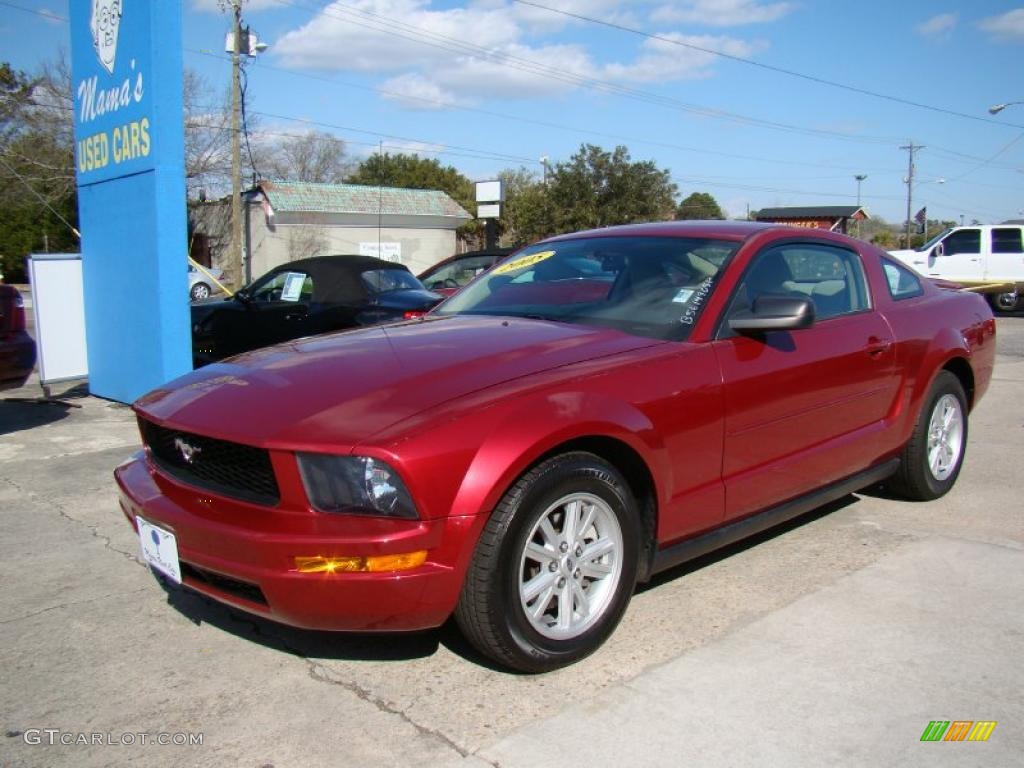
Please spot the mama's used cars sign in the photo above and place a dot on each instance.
(112, 102)
(126, 79)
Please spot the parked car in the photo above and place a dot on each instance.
(988, 258)
(17, 349)
(199, 284)
(454, 273)
(548, 437)
(304, 298)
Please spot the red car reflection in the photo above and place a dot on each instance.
(595, 409)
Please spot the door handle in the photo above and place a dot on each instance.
(295, 316)
(877, 347)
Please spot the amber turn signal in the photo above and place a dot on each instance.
(356, 564)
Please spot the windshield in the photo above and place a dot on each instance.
(927, 246)
(647, 286)
(385, 280)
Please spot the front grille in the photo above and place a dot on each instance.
(220, 466)
(226, 584)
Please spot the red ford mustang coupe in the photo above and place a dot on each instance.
(597, 408)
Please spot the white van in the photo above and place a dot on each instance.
(986, 257)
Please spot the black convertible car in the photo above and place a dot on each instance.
(306, 297)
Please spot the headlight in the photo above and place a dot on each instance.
(355, 485)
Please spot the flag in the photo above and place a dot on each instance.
(921, 217)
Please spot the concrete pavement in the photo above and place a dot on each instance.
(831, 642)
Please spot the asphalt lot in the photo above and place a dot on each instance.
(833, 641)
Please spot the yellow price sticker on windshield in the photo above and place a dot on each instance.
(523, 262)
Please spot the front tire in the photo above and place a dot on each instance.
(555, 566)
(932, 458)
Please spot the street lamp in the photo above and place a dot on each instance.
(995, 109)
(859, 177)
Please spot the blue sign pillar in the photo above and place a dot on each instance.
(126, 69)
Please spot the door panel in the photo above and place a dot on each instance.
(804, 407)
(962, 257)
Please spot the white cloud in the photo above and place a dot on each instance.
(1008, 26)
(938, 27)
(663, 60)
(414, 91)
(721, 13)
(340, 38)
(419, 50)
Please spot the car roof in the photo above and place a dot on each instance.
(725, 230)
(335, 261)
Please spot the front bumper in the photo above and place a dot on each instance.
(243, 555)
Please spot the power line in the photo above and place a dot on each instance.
(393, 27)
(48, 15)
(768, 67)
(527, 120)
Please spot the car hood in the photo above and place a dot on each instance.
(340, 389)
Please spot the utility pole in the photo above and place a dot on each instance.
(234, 270)
(911, 149)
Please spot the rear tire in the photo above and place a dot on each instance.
(1005, 302)
(932, 458)
(199, 291)
(555, 566)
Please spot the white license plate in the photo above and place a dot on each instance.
(159, 549)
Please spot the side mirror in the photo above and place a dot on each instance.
(938, 251)
(774, 313)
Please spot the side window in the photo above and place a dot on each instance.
(459, 273)
(962, 241)
(285, 286)
(831, 277)
(903, 284)
(1007, 240)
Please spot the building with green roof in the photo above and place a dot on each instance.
(288, 220)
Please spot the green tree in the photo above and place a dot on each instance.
(596, 188)
(699, 205)
(526, 213)
(37, 180)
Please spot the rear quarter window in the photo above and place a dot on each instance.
(902, 283)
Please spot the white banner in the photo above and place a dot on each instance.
(386, 251)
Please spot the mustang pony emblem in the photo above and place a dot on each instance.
(186, 449)
(105, 24)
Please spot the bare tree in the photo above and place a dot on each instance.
(207, 137)
(312, 157)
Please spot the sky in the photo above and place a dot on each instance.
(757, 102)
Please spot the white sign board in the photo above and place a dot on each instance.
(489, 211)
(58, 307)
(293, 282)
(386, 251)
(490, 191)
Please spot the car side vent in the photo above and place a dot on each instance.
(219, 466)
